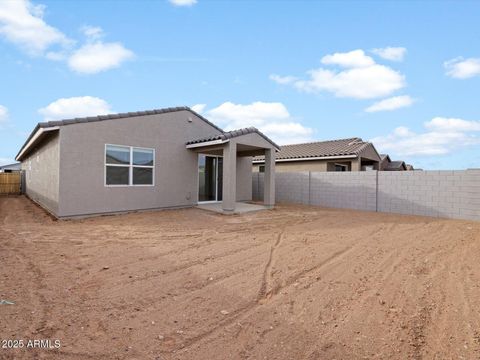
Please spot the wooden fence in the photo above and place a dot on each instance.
(10, 183)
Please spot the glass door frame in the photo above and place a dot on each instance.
(216, 179)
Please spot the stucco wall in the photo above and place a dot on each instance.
(42, 173)
(82, 170)
(296, 166)
(244, 178)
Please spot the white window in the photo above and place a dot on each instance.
(129, 166)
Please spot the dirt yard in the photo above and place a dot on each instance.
(292, 283)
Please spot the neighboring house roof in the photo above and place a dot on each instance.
(350, 147)
(385, 157)
(226, 135)
(55, 124)
(395, 166)
(14, 166)
(409, 167)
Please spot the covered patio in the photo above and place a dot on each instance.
(230, 146)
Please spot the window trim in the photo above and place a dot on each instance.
(130, 167)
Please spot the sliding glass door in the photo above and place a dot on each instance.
(210, 173)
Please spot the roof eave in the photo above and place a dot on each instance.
(36, 135)
(206, 143)
(351, 156)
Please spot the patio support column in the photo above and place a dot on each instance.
(229, 176)
(269, 178)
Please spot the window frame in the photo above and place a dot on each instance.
(130, 167)
(343, 166)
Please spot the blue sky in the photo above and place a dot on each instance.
(405, 75)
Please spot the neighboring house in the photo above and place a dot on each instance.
(409, 167)
(164, 158)
(396, 166)
(384, 161)
(387, 164)
(351, 154)
(10, 168)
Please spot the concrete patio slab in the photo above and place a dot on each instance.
(240, 208)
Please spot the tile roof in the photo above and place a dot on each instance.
(233, 134)
(395, 165)
(124, 115)
(48, 124)
(350, 146)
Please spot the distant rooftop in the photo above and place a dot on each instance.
(340, 147)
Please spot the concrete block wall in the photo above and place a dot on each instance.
(291, 187)
(445, 194)
(351, 190)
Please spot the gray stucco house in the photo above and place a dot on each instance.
(154, 159)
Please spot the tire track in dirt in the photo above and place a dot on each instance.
(37, 297)
(189, 291)
(204, 261)
(265, 293)
(245, 311)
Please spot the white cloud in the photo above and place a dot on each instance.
(391, 53)
(92, 32)
(93, 58)
(199, 108)
(282, 79)
(355, 58)
(358, 83)
(22, 24)
(460, 68)
(271, 118)
(362, 78)
(183, 2)
(390, 104)
(3, 114)
(67, 108)
(442, 137)
(452, 124)
(56, 55)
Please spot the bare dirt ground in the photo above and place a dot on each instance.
(296, 282)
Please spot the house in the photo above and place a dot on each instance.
(154, 159)
(396, 166)
(386, 164)
(384, 161)
(351, 154)
(10, 168)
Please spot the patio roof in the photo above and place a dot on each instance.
(227, 135)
